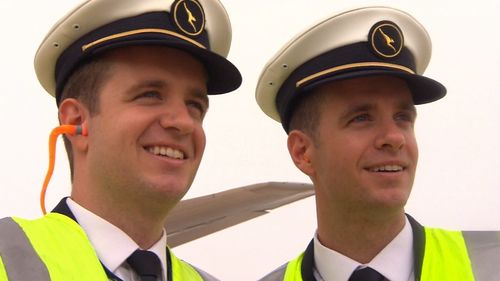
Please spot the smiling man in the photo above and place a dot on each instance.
(345, 91)
(134, 78)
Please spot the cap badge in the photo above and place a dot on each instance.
(386, 39)
(189, 16)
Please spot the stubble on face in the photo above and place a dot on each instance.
(366, 153)
(163, 113)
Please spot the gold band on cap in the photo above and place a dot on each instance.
(352, 65)
(139, 31)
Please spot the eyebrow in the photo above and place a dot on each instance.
(203, 96)
(408, 107)
(363, 107)
(147, 84)
(356, 108)
(159, 84)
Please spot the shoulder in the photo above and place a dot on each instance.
(182, 270)
(277, 275)
(45, 226)
(205, 275)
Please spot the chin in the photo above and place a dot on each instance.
(396, 202)
(168, 189)
(172, 190)
(394, 198)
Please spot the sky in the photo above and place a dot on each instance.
(457, 183)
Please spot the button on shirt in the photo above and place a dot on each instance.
(112, 245)
(395, 261)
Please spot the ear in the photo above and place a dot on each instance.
(73, 112)
(300, 147)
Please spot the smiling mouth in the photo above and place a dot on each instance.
(387, 169)
(166, 151)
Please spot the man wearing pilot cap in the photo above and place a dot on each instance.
(345, 92)
(131, 80)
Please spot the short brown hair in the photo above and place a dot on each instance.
(306, 113)
(84, 85)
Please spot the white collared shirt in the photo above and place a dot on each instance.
(112, 245)
(395, 261)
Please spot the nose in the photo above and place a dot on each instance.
(176, 117)
(391, 137)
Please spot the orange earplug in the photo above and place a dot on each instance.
(63, 129)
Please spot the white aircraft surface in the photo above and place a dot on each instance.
(194, 218)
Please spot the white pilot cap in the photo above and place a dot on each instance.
(361, 42)
(200, 27)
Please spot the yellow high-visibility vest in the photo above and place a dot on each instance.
(446, 257)
(55, 248)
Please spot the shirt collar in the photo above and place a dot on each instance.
(332, 265)
(112, 245)
(395, 261)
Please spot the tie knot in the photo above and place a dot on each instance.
(145, 264)
(366, 274)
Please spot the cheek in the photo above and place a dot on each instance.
(412, 147)
(348, 150)
(200, 138)
(117, 130)
(416, 153)
(333, 158)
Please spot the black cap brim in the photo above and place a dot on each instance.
(423, 89)
(223, 76)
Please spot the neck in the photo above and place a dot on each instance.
(359, 235)
(141, 219)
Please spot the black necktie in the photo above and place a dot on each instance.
(146, 264)
(366, 274)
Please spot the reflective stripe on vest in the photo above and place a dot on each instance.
(59, 245)
(63, 248)
(20, 261)
(484, 249)
(448, 255)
